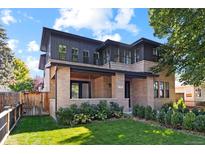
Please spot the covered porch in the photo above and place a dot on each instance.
(76, 85)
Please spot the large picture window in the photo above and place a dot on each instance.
(85, 57)
(80, 89)
(167, 89)
(74, 55)
(156, 89)
(62, 52)
(161, 91)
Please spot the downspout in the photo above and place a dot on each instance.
(56, 84)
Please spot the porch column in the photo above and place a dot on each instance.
(118, 90)
(150, 91)
(63, 86)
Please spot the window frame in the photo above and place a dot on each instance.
(62, 53)
(84, 60)
(79, 82)
(128, 56)
(167, 94)
(72, 55)
(161, 89)
(156, 89)
(155, 52)
(96, 60)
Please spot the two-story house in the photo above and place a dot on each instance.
(79, 69)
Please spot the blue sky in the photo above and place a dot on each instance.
(24, 27)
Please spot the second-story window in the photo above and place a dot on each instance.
(85, 56)
(128, 57)
(136, 55)
(155, 52)
(74, 55)
(96, 58)
(62, 52)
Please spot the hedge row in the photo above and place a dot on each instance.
(87, 112)
(174, 115)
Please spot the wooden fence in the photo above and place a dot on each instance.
(35, 103)
(8, 99)
(8, 120)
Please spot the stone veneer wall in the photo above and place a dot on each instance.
(63, 86)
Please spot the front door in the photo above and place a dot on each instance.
(127, 91)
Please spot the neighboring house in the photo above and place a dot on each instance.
(192, 95)
(79, 69)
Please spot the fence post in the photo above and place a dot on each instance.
(15, 115)
(8, 121)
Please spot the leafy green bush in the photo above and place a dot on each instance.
(161, 116)
(135, 109)
(103, 107)
(195, 111)
(74, 108)
(179, 106)
(101, 116)
(199, 123)
(177, 119)
(167, 118)
(167, 106)
(154, 114)
(65, 116)
(148, 112)
(116, 110)
(188, 121)
(81, 119)
(88, 109)
(141, 112)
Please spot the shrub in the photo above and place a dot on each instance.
(166, 107)
(167, 118)
(188, 121)
(88, 109)
(199, 123)
(65, 116)
(74, 108)
(196, 111)
(148, 113)
(177, 119)
(161, 116)
(103, 107)
(179, 106)
(135, 109)
(141, 112)
(81, 119)
(154, 114)
(101, 116)
(116, 110)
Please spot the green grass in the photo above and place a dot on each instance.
(43, 130)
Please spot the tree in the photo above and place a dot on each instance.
(6, 60)
(184, 52)
(22, 80)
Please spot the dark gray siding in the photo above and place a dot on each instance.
(81, 45)
(148, 52)
(139, 49)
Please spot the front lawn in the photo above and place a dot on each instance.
(43, 130)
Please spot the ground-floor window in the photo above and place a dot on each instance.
(161, 91)
(156, 89)
(167, 89)
(80, 89)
